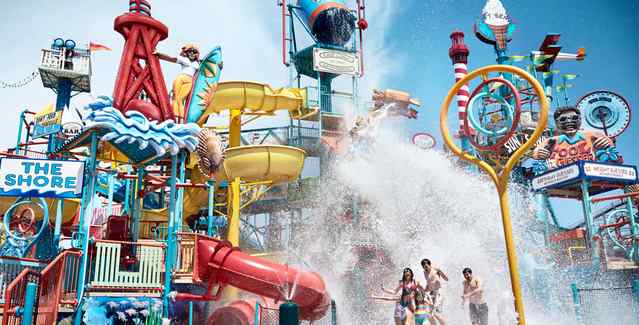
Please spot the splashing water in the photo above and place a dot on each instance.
(415, 204)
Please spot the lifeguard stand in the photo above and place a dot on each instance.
(65, 69)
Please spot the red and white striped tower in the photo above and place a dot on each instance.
(458, 53)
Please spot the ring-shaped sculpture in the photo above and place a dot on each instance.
(500, 179)
(23, 201)
(506, 133)
(477, 125)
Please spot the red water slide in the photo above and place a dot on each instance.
(218, 263)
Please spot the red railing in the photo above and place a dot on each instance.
(58, 286)
(10, 267)
(15, 297)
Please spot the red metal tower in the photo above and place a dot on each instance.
(139, 68)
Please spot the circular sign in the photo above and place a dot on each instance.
(72, 129)
(605, 111)
(424, 141)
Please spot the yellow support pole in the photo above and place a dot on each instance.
(235, 128)
(233, 204)
(234, 194)
(500, 180)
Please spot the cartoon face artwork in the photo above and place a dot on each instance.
(573, 144)
(568, 121)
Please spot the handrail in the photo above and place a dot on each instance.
(15, 294)
(130, 243)
(57, 281)
(614, 197)
(10, 267)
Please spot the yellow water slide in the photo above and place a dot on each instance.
(256, 98)
(275, 164)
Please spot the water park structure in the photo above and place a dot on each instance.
(140, 212)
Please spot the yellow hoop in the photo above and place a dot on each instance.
(501, 179)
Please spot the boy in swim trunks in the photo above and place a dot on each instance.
(433, 277)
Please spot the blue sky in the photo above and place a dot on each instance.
(419, 35)
(406, 46)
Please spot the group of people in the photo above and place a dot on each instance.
(415, 303)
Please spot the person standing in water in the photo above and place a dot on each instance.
(405, 306)
(423, 307)
(474, 293)
(189, 59)
(433, 277)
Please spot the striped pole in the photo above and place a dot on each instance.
(458, 53)
(462, 95)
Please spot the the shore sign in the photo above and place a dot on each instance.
(41, 178)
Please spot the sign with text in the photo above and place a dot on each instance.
(556, 177)
(72, 129)
(334, 61)
(41, 178)
(46, 124)
(612, 172)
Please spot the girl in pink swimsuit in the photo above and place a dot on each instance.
(405, 306)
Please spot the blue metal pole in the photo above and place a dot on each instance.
(590, 227)
(64, 94)
(86, 213)
(29, 303)
(542, 214)
(170, 240)
(180, 193)
(576, 301)
(634, 251)
(190, 313)
(62, 100)
(58, 224)
(20, 123)
(110, 194)
(333, 312)
(211, 210)
(257, 313)
(635, 288)
(137, 205)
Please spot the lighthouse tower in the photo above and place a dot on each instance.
(139, 68)
(458, 53)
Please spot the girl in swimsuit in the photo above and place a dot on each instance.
(405, 306)
(423, 308)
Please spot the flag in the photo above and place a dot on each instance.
(539, 59)
(93, 47)
(564, 87)
(517, 58)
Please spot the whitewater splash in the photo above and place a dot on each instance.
(133, 127)
(416, 204)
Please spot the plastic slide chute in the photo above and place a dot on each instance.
(218, 263)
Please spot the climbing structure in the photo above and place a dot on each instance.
(139, 71)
